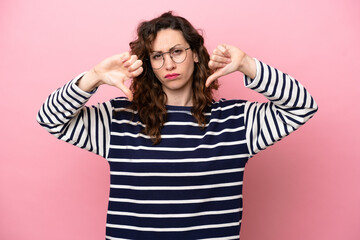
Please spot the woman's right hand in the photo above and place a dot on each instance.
(113, 71)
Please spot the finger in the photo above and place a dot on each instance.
(123, 57)
(129, 62)
(216, 65)
(218, 52)
(137, 64)
(213, 77)
(222, 59)
(125, 90)
(224, 50)
(137, 72)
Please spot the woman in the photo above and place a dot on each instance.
(176, 156)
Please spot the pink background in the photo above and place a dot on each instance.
(304, 187)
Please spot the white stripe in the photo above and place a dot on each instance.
(186, 112)
(180, 215)
(172, 136)
(151, 229)
(179, 174)
(171, 188)
(169, 111)
(121, 109)
(128, 122)
(235, 237)
(182, 201)
(213, 120)
(187, 160)
(171, 149)
(115, 238)
(227, 107)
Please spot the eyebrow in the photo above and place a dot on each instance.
(179, 44)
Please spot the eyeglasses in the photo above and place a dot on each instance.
(177, 54)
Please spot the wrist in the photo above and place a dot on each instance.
(89, 81)
(248, 67)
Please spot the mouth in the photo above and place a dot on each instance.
(171, 76)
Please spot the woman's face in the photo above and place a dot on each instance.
(174, 77)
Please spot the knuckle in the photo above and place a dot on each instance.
(134, 57)
(138, 62)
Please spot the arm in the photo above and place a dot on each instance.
(64, 115)
(290, 105)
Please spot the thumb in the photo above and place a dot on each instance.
(125, 90)
(213, 77)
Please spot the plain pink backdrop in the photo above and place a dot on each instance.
(304, 187)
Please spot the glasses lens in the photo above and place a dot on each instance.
(157, 60)
(178, 54)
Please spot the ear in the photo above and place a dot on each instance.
(195, 57)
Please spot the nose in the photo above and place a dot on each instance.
(168, 62)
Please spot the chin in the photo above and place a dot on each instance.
(175, 85)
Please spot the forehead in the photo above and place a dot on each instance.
(168, 38)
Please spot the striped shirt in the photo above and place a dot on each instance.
(189, 186)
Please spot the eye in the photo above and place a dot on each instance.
(156, 56)
(177, 51)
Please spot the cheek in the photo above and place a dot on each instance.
(190, 68)
(157, 73)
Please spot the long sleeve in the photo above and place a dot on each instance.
(290, 106)
(64, 115)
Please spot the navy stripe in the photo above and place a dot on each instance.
(261, 77)
(77, 93)
(89, 127)
(45, 113)
(275, 121)
(56, 109)
(70, 96)
(284, 121)
(268, 83)
(103, 133)
(96, 129)
(57, 97)
(305, 98)
(275, 85)
(290, 96)
(297, 94)
(282, 89)
(75, 128)
(63, 98)
(268, 127)
(86, 141)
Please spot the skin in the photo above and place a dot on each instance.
(117, 69)
(178, 90)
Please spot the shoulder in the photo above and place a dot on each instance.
(120, 103)
(226, 108)
(224, 104)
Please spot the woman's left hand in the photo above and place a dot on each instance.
(227, 59)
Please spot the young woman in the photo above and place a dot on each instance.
(176, 156)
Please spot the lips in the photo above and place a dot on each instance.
(171, 76)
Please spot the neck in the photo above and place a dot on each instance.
(179, 98)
